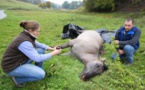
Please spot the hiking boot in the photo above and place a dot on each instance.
(17, 84)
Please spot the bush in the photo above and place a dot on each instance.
(100, 5)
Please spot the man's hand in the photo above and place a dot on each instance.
(116, 42)
(121, 52)
(116, 45)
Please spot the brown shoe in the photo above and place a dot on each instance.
(17, 84)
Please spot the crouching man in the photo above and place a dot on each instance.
(127, 40)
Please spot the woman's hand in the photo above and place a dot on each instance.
(51, 48)
(55, 51)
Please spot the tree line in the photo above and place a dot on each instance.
(65, 5)
(93, 5)
(72, 5)
(48, 4)
(112, 5)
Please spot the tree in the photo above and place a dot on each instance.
(48, 4)
(55, 6)
(99, 5)
(89, 5)
(72, 5)
(80, 3)
(112, 5)
(65, 5)
(42, 5)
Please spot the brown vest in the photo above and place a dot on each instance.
(13, 57)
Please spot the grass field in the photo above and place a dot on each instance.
(62, 72)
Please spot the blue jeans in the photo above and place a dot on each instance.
(29, 72)
(128, 53)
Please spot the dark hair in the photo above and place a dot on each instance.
(130, 19)
(31, 24)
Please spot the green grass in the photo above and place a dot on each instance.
(62, 72)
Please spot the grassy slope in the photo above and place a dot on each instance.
(62, 72)
(14, 4)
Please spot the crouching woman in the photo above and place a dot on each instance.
(22, 51)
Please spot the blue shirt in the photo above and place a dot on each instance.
(27, 48)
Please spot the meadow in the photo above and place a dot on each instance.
(62, 72)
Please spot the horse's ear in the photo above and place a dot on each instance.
(105, 67)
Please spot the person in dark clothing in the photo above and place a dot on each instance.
(22, 51)
(127, 38)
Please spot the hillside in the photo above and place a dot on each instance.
(17, 5)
